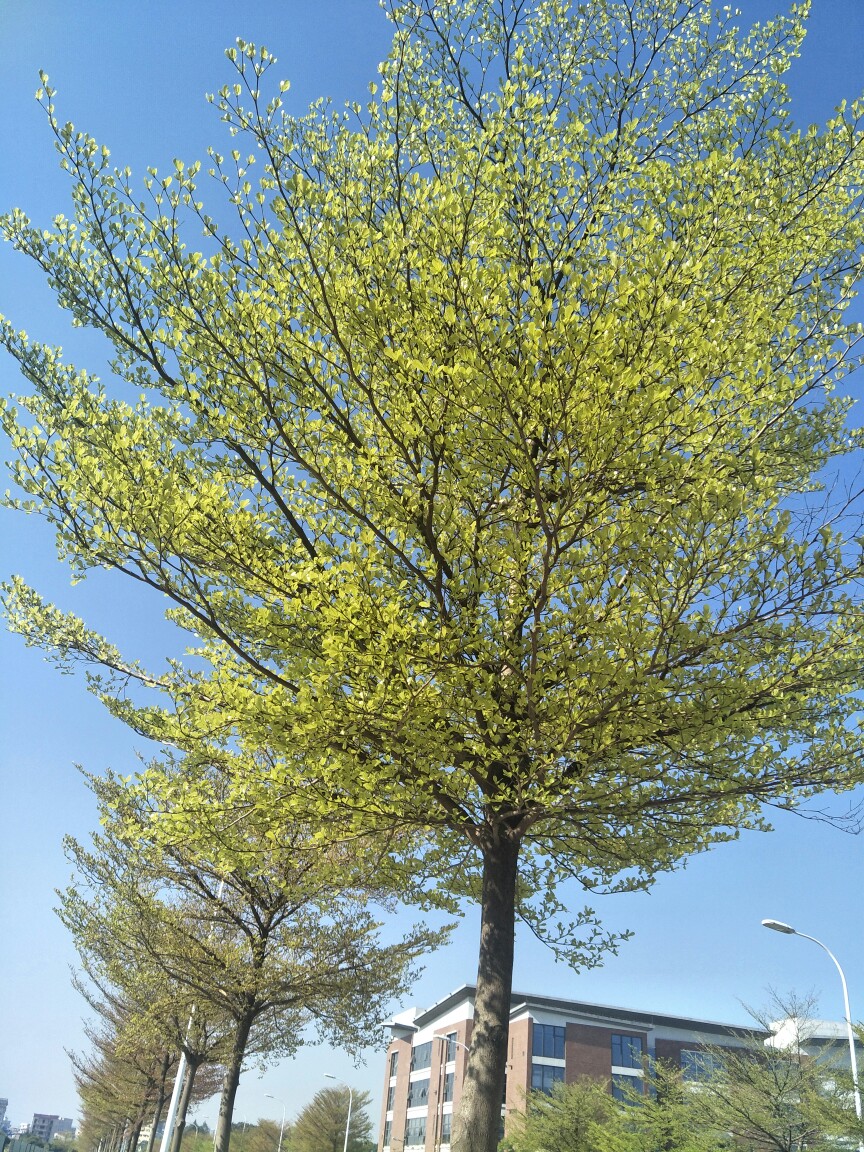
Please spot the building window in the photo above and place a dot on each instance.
(418, 1093)
(421, 1056)
(626, 1051)
(448, 1087)
(626, 1088)
(394, 1062)
(697, 1065)
(391, 1096)
(415, 1131)
(451, 1047)
(548, 1040)
(446, 1127)
(543, 1076)
(388, 1132)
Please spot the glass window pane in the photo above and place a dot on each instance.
(626, 1051)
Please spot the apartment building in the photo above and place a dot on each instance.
(550, 1039)
(42, 1126)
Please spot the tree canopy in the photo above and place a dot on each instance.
(321, 1125)
(479, 456)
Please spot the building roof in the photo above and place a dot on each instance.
(598, 1013)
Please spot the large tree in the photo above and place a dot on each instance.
(479, 456)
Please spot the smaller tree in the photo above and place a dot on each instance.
(778, 1096)
(320, 1126)
(260, 1137)
(570, 1118)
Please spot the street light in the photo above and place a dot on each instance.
(779, 926)
(350, 1102)
(282, 1125)
(446, 1038)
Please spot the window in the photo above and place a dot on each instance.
(418, 1093)
(448, 1087)
(446, 1127)
(391, 1095)
(450, 1046)
(543, 1076)
(626, 1088)
(421, 1056)
(548, 1040)
(697, 1065)
(388, 1132)
(626, 1051)
(415, 1131)
(394, 1062)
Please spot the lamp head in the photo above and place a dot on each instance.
(779, 926)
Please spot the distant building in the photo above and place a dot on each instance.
(4, 1104)
(45, 1127)
(550, 1039)
(42, 1126)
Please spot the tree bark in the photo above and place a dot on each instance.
(135, 1134)
(193, 1063)
(477, 1122)
(229, 1083)
(162, 1096)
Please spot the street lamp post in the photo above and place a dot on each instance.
(787, 929)
(282, 1125)
(447, 1039)
(350, 1102)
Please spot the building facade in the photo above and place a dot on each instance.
(549, 1040)
(42, 1127)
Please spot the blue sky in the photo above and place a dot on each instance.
(134, 75)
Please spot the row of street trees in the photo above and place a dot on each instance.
(476, 444)
(181, 953)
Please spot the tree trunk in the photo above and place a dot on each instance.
(477, 1123)
(162, 1096)
(193, 1063)
(229, 1084)
(135, 1134)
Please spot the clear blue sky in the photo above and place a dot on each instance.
(134, 75)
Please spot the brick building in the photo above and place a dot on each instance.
(550, 1039)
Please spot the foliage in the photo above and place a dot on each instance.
(480, 463)
(781, 1097)
(570, 1118)
(257, 954)
(123, 1082)
(262, 1136)
(320, 1126)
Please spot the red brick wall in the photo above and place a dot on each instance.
(669, 1051)
(588, 1051)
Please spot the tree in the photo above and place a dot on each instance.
(779, 1094)
(320, 1126)
(482, 461)
(571, 1118)
(130, 1063)
(282, 941)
